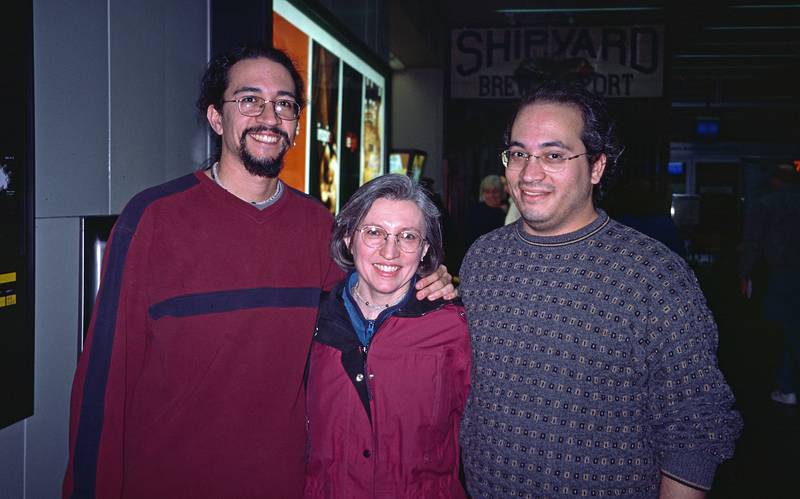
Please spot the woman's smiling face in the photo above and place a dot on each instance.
(385, 272)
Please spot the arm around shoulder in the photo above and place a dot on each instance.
(438, 284)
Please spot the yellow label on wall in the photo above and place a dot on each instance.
(9, 277)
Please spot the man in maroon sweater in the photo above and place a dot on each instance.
(191, 380)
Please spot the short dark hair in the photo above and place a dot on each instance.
(599, 128)
(216, 78)
(397, 188)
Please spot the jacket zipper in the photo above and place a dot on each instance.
(364, 349)
(373, 421)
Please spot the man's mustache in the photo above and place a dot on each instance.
(265, 128)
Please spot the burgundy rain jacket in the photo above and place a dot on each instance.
(383, 422)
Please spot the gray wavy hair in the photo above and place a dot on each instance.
(490, 182)
(397, 188)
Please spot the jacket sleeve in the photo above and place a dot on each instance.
(464, 361)
(690, 404)
(105, 372)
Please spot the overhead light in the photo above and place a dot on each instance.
(769, 6)
(560, 10)
(744, 43)
(716, 68)
(734, 56)
(759, 104)
(744, 28)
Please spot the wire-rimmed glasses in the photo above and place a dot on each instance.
(409, 241)
(551, 161)
(253, 105)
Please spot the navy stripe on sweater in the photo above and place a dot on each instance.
(90, 423)
(237, 299)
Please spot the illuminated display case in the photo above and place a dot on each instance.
(342, 138)
(409, 162)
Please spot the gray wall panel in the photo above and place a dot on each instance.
(155, 135)
(57, 326)
(12, 460)
(187, 55)
(71, 92)
(138, 113)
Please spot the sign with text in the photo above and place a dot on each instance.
(504, 63)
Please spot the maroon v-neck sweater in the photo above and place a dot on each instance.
(191, 382)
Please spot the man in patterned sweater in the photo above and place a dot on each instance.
(595, 368)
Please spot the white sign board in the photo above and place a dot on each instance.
(613, 61)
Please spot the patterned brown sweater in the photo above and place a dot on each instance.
(594, 367)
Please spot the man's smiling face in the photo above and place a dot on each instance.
(257, 142)
(553, 203)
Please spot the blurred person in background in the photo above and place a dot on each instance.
(771, 236)
(488, 213)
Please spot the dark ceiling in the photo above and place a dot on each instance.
(717, 55)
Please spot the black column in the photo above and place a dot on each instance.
(240, 21)
(16, 212)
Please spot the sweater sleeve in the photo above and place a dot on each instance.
(105, 373)
(690, 404)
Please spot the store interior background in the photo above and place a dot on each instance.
(115, 81)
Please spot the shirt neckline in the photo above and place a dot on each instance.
(243, 207)
(563, 239)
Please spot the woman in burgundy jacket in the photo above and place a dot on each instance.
(389, 374)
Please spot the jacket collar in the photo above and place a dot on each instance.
(332, 305)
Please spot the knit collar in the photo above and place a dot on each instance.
(563, 239)
(227, 199)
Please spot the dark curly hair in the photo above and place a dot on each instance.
(599, 134)
(216, 78)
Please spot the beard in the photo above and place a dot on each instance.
(263, 167)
